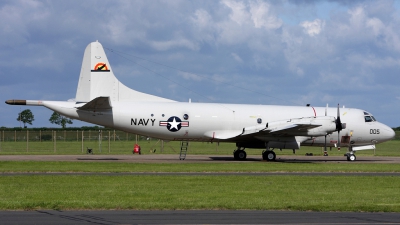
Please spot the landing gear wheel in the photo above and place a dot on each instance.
(351, 157)
(269, 156)
(240, 155)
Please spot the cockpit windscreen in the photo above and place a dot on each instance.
(368, 117)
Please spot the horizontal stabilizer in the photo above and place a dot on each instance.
(99, 103)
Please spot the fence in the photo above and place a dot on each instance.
(113, 142)
(68, 141)
(100, 141)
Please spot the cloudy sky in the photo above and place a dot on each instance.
(229, 51)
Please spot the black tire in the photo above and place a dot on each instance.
(352, 158)
(240, 155)
(269, 155)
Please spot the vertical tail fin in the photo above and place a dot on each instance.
(97, 80)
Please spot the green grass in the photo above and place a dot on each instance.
(151, 192)
(33, 166)
(146, 192)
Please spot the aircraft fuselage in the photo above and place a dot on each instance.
(214, 122)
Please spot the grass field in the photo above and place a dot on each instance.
(120, 167)
(150, 192)
(144, 192)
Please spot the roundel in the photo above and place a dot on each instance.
(174, 124)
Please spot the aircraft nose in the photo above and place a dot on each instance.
(391, 134)
(388, 133)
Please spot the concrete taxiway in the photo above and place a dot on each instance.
(174, 158)
(195, 217)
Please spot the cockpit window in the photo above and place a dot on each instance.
(368, 117)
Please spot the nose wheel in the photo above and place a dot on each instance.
(351, 157)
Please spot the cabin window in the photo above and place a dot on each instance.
(259, 120)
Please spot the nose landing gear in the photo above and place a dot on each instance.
(351, 157)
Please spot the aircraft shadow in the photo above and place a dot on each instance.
(281, 160)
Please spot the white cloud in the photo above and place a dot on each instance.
(18, 17)
(262, 17)
(190, 76)
(202, 18)
(313, 28)
(239, 12)
(174, 43)
(290, 50)
(237, 58)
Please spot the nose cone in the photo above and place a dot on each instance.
(387, 133)
(391, 134)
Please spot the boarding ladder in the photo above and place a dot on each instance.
(184, 149)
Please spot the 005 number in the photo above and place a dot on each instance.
(374, 131)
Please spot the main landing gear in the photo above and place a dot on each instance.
(239, 154)
(269, 155)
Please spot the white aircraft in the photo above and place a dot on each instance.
(102, 99)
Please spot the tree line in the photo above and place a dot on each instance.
(27, 117)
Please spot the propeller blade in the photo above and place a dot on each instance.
(339, 127)
(338, 122)
(326, 109)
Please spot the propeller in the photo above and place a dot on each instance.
(339, 126)
(326, 113)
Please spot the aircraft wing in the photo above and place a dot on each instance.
(281, 130)
(292, 129)
(308, 126)
(99, 103)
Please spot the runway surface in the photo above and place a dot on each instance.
(196, 216)
(174, 158)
